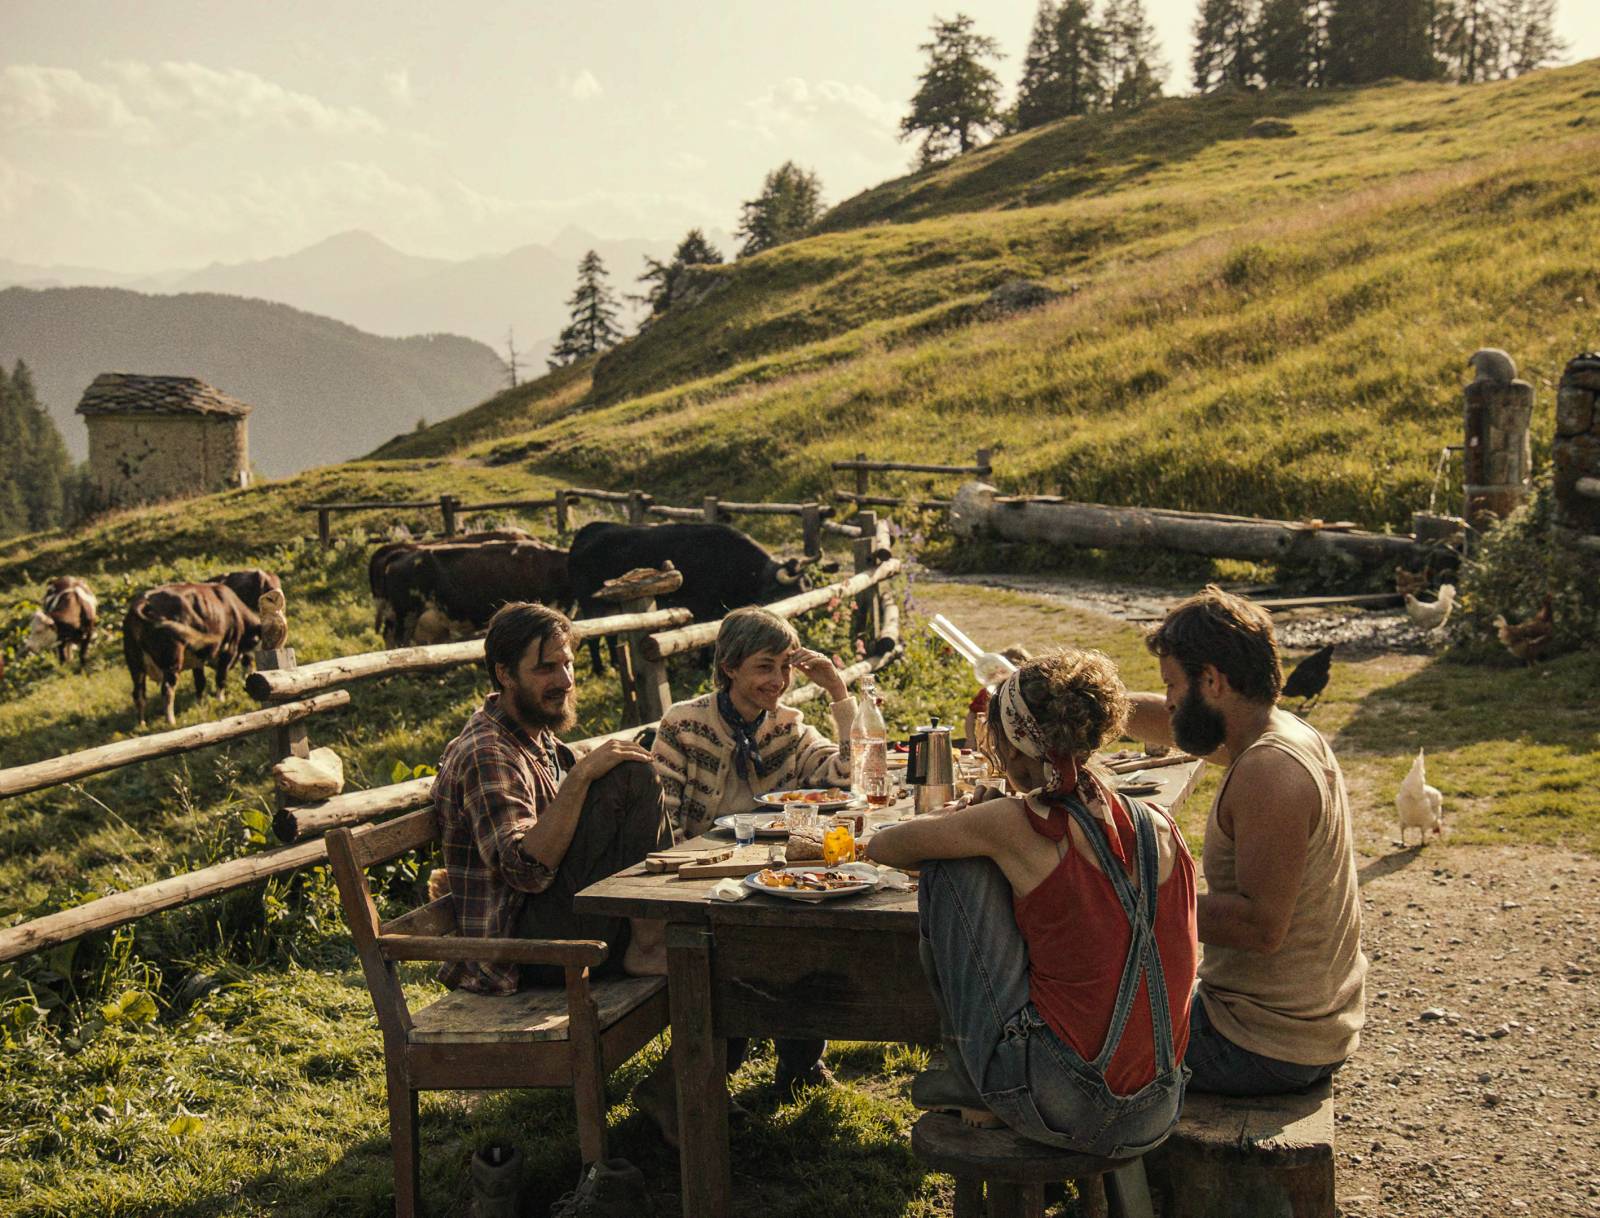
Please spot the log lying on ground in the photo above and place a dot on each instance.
(978, 510)
(703, 634)
(24, 778)
(315, 819)
(276, 685)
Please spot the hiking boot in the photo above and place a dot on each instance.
(611, 1188)
(496, 1182)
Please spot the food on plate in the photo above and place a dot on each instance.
(810, 881)
(805, 847)
(829, 796)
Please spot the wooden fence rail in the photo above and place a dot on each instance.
(982, 467)
(278, 685)
(19, 780)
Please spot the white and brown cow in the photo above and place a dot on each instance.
(66, 620)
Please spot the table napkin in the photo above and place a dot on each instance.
(730, 889)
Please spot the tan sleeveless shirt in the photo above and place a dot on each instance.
(1306, 1002)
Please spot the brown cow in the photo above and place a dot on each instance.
(394, 620)
(248, 585)
(67, 619)
(179, 626)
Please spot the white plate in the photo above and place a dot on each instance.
(768, 824)
(869, 881)
(771, 799)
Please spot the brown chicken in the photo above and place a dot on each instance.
(1527, 639)
(1410, 583)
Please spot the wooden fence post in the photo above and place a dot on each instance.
(561, 512)
(983, 461)
(811, 523)
(324, 526)
(867, 618)
(290, 741)
(645, 691)
(638, 506)
(861, 476)
(448, 506)
(709, 506)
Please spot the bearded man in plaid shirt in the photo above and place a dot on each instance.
(524, 825)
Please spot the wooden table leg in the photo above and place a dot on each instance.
(700, 1066)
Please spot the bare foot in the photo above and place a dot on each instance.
(646, 953)
(981, 1118)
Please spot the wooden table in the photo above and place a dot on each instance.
(769, 967)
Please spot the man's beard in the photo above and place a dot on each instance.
(1196, 727)
(538, 716)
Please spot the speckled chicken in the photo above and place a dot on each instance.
(1421, 807)
(1527, 639)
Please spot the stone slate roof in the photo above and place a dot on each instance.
(129, 393)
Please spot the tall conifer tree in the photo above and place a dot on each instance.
(957, 103)
(593, 327)
(1286, 45)
(1224, 44)
(1134, 70)
(789, 203)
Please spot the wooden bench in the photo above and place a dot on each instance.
(1009, 1172)
(552, 1037)
(1248, 1157)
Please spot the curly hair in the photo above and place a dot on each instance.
(1078, 699)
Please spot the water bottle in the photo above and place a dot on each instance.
(869, 745)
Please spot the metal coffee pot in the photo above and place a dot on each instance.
(931, 767)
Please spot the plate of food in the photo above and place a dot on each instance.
(814, 883)
(768, 824)
(824, 799)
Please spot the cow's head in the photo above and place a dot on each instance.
(41, 632)
(248, 585)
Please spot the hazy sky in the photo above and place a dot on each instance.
(158, 134)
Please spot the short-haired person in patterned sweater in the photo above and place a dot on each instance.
(716, 753)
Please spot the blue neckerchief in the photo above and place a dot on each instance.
(744, 735)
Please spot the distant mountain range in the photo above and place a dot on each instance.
(323, 391)
(360, 279)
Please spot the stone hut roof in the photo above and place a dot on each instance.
(128, 393)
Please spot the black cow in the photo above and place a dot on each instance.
(386, 620)
(465, 584)
(723, 569)
(179, 626)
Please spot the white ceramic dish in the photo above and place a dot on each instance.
(868, 883)
(773, 799)
(768, 824)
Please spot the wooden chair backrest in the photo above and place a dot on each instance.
(350, 853)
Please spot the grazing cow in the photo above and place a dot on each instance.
(385, 618)
(449, 589)
(67, 619)
(248, 585)
(723, 569)
(179, 626)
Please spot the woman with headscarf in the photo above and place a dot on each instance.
(1057, 928)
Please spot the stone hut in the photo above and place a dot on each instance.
(163, 437)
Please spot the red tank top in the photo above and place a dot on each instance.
(1078, 938)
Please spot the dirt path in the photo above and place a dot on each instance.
(1474, 1092)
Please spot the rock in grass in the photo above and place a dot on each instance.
(1015, 296)
(1270, 129)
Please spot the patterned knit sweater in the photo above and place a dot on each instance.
(694, 758)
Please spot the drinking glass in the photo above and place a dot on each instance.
(744, 828)
(800, 818)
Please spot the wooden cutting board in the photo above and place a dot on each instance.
(675, 860)
(739, 861)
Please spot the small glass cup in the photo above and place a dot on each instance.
(800, 817)
(744, 828)
(777, 854)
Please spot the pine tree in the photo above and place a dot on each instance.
(1286, 44)
(1081, 51)
(1370, 40)
(664, 277)
(34, 467)
(1068, 68)
(957, 103)
(1038, 99)
(789, 203)
(593, 328)
(1224, 44)
(1529, 29)
(1133, 64)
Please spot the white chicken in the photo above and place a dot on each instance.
(1421, 806)
(1431, 616)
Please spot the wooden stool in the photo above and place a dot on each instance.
(1013, 1172)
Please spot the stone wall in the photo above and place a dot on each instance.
(136, 459)
(1575, 455)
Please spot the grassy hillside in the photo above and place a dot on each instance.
(1306, 303)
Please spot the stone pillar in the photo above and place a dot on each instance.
(1497, 460)
(1576, 455)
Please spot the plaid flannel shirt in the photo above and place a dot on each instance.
(494, 780)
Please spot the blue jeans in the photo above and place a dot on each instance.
(1224, 1068)
(1028, 1076)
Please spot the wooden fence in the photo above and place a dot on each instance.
(981, 467)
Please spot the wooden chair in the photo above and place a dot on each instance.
(550, 1037)
(1013, 1171)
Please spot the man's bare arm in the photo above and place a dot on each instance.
(1272, 803)
(1149, 722)
(550, 836)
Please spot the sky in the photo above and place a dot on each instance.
(162, 134)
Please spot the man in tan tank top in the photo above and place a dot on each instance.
(1282, 993)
